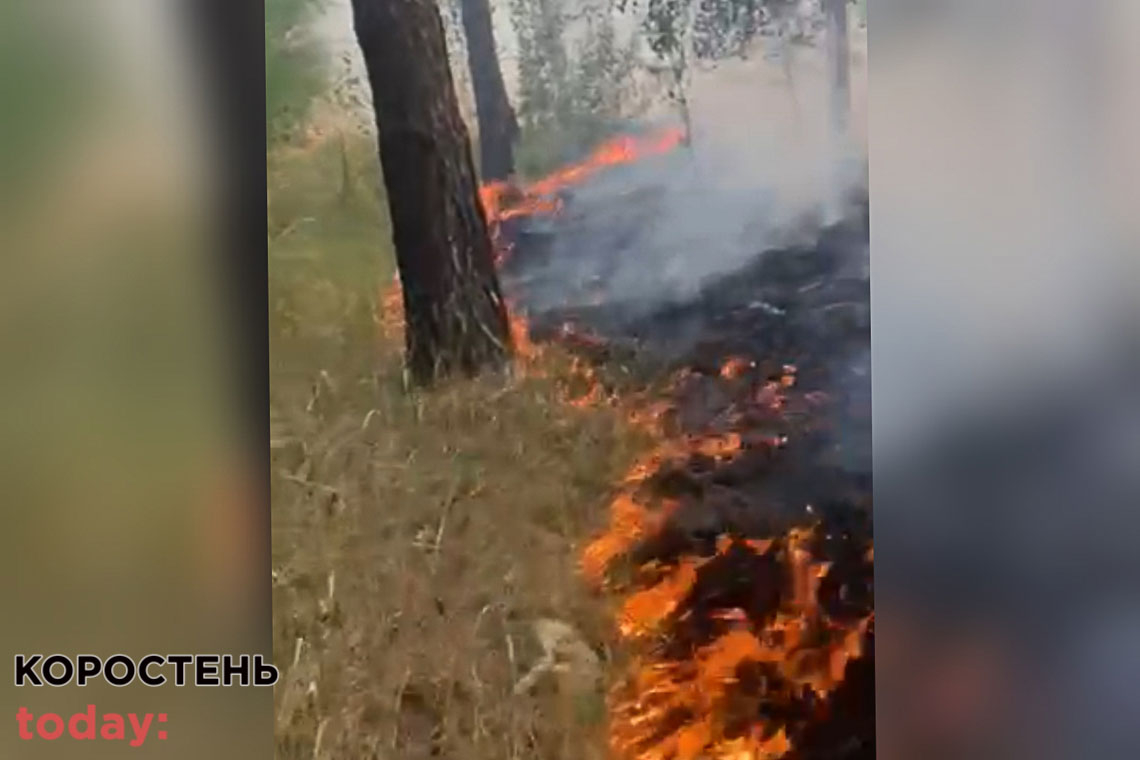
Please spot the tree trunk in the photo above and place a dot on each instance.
(839, 70)
(454, 315)
(498, 128)
(839, 65)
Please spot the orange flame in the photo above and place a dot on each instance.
(800, 643)
(504, 200)
(680, 709)
(390, 317)
(645, 610)
(735, 367)
(672, 707)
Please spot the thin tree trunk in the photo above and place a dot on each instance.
(498, 128)
(839, 64)
(839, 69)
(787, 50)
(454, 315)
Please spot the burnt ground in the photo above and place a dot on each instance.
(805, 306)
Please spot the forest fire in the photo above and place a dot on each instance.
(741, 554)
(504, 200)
(740, 551)
(736, 650)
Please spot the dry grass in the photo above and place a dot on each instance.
(419, 538)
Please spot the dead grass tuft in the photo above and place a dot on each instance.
(425, 549)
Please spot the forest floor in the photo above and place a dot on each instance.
(424, 544)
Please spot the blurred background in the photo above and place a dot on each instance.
(136, 518)
(1004, 246)
(1003, 172)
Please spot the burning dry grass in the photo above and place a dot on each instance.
(430, 550)
(426, 595)
(728, 675)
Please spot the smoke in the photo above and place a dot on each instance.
(764, 170)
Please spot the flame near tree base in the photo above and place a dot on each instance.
(749, 626)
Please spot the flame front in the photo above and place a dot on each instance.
(726, 697)
(504, 200)
(760, 671)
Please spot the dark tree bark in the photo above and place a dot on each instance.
(455, 320)
(498, 127)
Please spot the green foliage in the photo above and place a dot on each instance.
(577, 78)
(575, 82)
(329, 250)
(295, 72)
(714, 29)
(724, 27)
